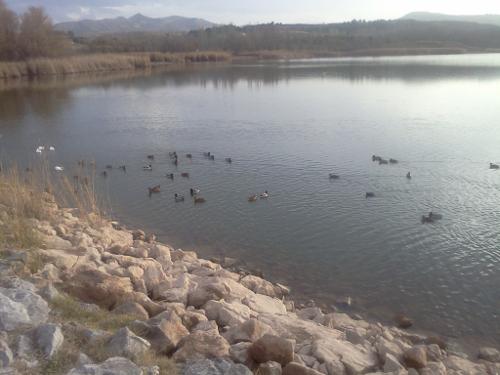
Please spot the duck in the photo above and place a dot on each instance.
(194, 192)
(212, 157)
(494, 166)
(333, 176)
(151, 157)
(431, 217)
(185, 174)
(376, 158)
(176, 161)
(172, 154)
(207, 154)
(408, 176)
(148, 167)
(58, 168)
(154, 189)
(264, 195)
(109, 166)
(39, 150)
(189, 156)
(52, 148)
(229, 160)
(198, 200)
(104, 174)
(393, 161)
(179, 197)
(81, 163)
(123, 168)
(170, 176)
(369, 195)
(383, 161)
(253, 198)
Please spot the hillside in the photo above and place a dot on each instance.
(487, 19)
(137, 23)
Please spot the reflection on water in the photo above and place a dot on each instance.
(287, 125)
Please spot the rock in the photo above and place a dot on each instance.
(463, 366)
(133, 309)
(355, 335)
(201, 344)
(264, 304)
(335, 367)
(226, 314)
(6, 356)
(434, 353)
(125, 343)
(83, 360)
(112, 366)
(272, 348)
(403, 321)
(294, 368)
(138, 235)
(269, 368)
(49, 339)
(393, 347)
(206, 326)
(239, 354)
(165, 334)
(259, 285)
(392, 364)
(441, 342)
(416, 357)
(433, 368)
(489, 354)
(250, 331)
(49, 292)
(214, 367)
(20, 307)
(191, 319)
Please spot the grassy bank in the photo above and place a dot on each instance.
(102, 63)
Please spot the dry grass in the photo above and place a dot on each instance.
(102, 63)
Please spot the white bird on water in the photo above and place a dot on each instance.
(52, 148)
(58, 168)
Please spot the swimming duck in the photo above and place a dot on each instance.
(212, 157)
(148, 167)
(109, 166)
(207, 154)
(189, 156)
(393, 161)
(172, 154)
(264, 195)
(229, 160)
(185, 175)
(383, 161)
(151, 157)
(494, 166)
(52, 148)
(154, 189)
(123, 168)
(253, 198)
(194, 192)
(431, 217)
(170, 176)
(408, 175)
(59, 168)
(39, 150)
(333, 176)
(370, 195)
(104, 174)
(178, 197)
(376, 158)
(198, 200)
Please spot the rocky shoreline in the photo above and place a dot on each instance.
(96, 298)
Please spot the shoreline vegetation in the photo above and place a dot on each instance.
(82, 294)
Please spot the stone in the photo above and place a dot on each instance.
(165, 334)
(225, 313)
(355, 335)
(83, 360)
(393, 347)
(269, 368)
(259, 285)
(191, 319)
(201, 344)
(214, 367)
(239, 354)
(49, 339)
(207, 326)
(6, 356)
(204, 293)
(49, 292)
(434, 353)
(132, 309)
(403, 321)
(250, 331)
(416, 357)
(272, 348)
(335, 367)
(125, 343)
(489, 354)
(138, 235)
(391, 364)
(264, 304)
(440, 341)
(294, 368)
(112, 366)
(20, 307)
(433, 368)
(463, 366)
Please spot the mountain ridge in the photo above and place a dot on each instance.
(486, 19)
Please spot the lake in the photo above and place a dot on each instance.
(286, 126)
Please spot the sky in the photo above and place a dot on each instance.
(256, 11)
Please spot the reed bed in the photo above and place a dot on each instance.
(102, 63)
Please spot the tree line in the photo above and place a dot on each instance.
(30, 35)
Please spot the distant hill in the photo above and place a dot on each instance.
(137, 23)
(487, 19)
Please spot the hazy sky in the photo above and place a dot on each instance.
(254, 11)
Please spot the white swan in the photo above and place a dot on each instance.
(58, 168)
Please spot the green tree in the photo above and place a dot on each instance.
(9, 25)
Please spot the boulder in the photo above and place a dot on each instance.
(416, 357)
(6, 356)
(207, 326)
(200, 345)
(125, 343)
(239, 354)
(259, 285)
(433, 368)
(49, 339)
(335, 367)
(394, 347)
(49, 292)
(21, 307)
(112, 366)
(214, 367)
(294, 368)
(191, 319)
(249, 331)
(264, 304)
(464, 366)
(272, 348)
(402, 321)
(391, 364)
(132, 309)
(165, 334)
(489, 354)
(434, 353)
(269, 368)
(225, 313)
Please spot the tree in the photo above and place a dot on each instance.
(9, 25)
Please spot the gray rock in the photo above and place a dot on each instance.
(165, 334)
(24, 347)
(49, 293)
(21, 307)
(294, 368)
(434, 368)
(83, 359)
(49, 339)
(6, 356)
(125, 343)
(214, 367)
(8, 371)
(272, 348)
(239, 354)
(416, 357)
(112, 366)
(392, 364)
(269, 368)
(489, 354)
(132, 308)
